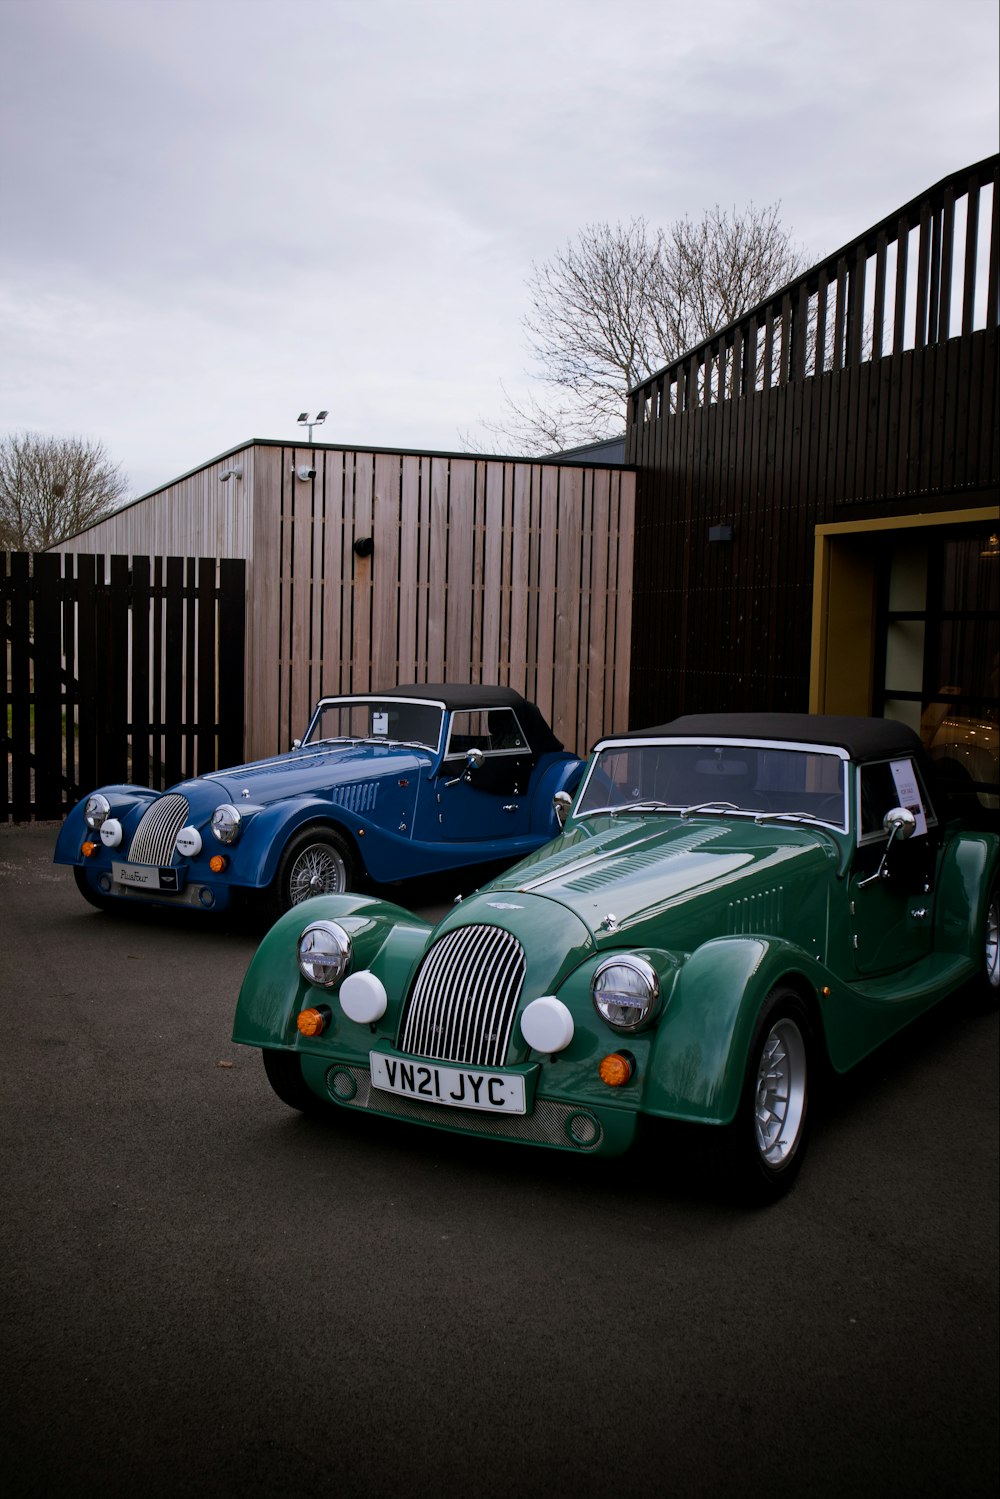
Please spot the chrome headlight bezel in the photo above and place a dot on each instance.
(96, 811)
(323, 952)
(638, 991)
(226, 823)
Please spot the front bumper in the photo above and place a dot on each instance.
(557, 1124)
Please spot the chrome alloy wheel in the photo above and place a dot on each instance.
(991, 953)
(318, 870)
(780, 1103)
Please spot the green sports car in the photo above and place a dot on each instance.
(733, 901)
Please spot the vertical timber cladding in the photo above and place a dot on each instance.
(866, 389)
(478, 570)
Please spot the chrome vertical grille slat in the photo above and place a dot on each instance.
(465, 998)
(156, 834)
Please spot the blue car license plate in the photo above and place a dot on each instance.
(458, 1087)
(146, 877)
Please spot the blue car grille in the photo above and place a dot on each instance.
(465, 997)
(157, 832)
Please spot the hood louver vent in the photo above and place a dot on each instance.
(360, 797)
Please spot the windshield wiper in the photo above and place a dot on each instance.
(712, 807)
(650, 806)
(796, 817)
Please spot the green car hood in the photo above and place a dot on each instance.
(658, 881)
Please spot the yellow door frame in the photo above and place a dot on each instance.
(842, 662)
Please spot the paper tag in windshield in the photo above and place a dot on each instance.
(380, 724)
(909, 792)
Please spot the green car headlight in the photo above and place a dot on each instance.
(226, 823)
(625, 991)
(324, 953)
(96, 812)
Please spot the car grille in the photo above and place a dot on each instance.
(157, 832)
(465, 996)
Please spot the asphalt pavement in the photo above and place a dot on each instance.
(203, 1294)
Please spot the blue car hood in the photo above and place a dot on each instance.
(303, 772)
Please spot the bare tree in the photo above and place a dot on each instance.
(52, 487)
(618, 303)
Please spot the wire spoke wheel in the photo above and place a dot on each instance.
(315, 861)
(318, 870)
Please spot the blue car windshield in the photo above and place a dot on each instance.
(374, 720)
(763, 781)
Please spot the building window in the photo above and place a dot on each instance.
(938, 653)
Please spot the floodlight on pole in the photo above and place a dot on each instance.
(307, 421)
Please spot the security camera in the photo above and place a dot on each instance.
(305, 473)
(230, 473)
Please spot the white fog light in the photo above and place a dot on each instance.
(189, 843)
(111, 832)
(547, 1025)
(363, 998)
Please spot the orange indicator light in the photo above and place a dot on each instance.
(217, 863)
(312, 1022)
(616, 1069)
(89, 849)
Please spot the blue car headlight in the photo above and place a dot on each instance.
(96, 812)
(625, 990)
(324, 953)
(226, 823)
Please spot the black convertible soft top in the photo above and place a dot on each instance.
(862, 738)
(474, 698)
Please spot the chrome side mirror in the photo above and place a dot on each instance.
(473, 761)
(899, 823)
(561, 804)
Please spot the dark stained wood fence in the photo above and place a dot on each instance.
(865, 388)
(134, 673)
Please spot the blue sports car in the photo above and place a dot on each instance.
(391, 785)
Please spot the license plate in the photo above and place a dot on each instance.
(145, 877)
(458, 1087)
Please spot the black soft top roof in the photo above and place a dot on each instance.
(471, 697)
(862, 738)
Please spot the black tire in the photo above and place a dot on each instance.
(762, 1151)
(284, 1073)
(86, 889)
(989, 981)
(315, 861)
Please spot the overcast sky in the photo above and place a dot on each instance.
(218, 213)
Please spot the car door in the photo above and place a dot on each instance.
(891, 913)
(492, 800)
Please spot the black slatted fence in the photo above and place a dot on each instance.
(128, 672)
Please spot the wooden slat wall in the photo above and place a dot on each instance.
(864, 389)
(482, 570)
(196, 516)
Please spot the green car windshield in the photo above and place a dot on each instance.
(755, 780)
(376, 719)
